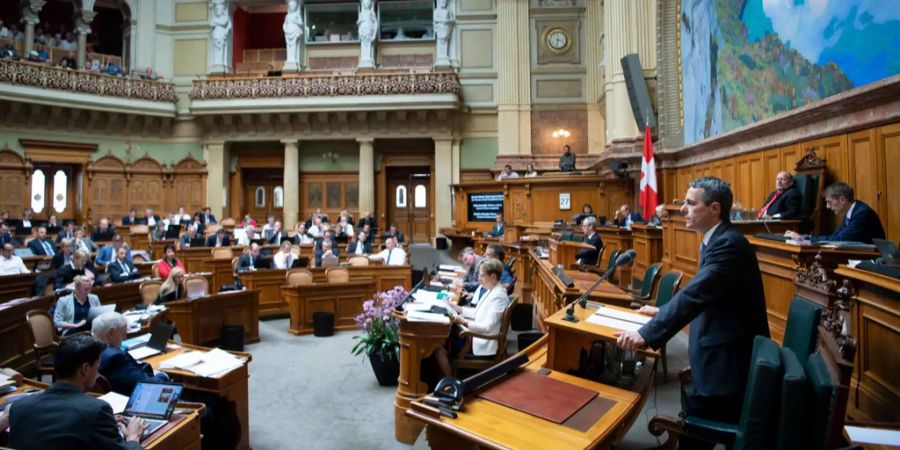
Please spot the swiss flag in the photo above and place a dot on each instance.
(648, 177)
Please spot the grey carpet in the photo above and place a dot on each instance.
(311, 393)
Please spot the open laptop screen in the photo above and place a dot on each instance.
(153, 400)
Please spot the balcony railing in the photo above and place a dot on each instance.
(327, 85)
(47, 77)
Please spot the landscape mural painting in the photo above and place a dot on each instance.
(746, 60)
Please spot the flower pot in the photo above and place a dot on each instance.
(386, 368)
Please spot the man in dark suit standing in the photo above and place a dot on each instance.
(42, 245)
(723, 303)
(499, 228)
(785, 202)
(220, 239)
(208, 218)
(861, 223)
(63, 416)
(588, 256)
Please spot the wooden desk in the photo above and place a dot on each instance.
(566, 339)
(565, 252)
(140, 241)
(32, 262)
(16, 351)
(17, 286)
(616, 239)
(232, 385)
(385, 277)
(222, 271)
(681, 246)
(875, 313)
(551, 295)
(418, 340)
(185, 434)
(485, 424)
(157, 248)
(193, 258)
(345, 300)
(459, 239)
(648, 243)
(268, 283)
(200, 321)
(124, 295)
(779, 262)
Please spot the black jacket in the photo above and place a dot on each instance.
(118, 274)
(789, 205)
(37, 247)
(246, 261)
(58, 260)
(276, 238)
(211, 241)
(862, 226)
(587, 256)
(63, 418)
(725, 306)
(351, 248)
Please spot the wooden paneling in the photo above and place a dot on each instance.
(14, 177)
(889, 149)
(200, 320)
(332, 192)
(344, 300)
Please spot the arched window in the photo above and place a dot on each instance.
(38, 181)
(400, 196)
(421, 196)
(260, 197)
(60, 182)
(278, 200)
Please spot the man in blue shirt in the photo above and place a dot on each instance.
(107, 253)
(496, 252)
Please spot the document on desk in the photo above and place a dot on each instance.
(875, 436)
(422, 316)
(623, 315)
(610, 322)
(205, 364)
(118, 402)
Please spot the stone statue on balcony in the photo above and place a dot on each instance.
(220, 23)
(293, 32)
(368, 31)
(443, 27)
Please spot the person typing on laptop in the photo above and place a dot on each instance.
(63, 416)
(121, 370)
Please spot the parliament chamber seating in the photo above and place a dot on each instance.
(298, 277)
(150, 291)
(358, 261)
(45, 340)
(648, 283)
(477, 362)
(665, 290)
(337, 275)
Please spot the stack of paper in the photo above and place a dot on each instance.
(206, 364)
(618, 319)
(422, 316)
(118, 402)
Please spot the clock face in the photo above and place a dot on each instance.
(558, 40)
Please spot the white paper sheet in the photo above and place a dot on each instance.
(421, 316)
(184, 361)
(623, 315)
(143, 352)
(425, 296)
(877, 436)
(217, 361)
(412, 306)
(613, 323)
(118, 402)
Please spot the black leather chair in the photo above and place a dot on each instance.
(823, 390)
(801, 331)
(792, 427)
(650, 276)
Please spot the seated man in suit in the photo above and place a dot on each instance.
(393, 232)
(496, 252)
(66, 232)
(10, 263)
(277, 234)
(471, 260)
(624, 217)
(208, 218)
(42, 245)
(103, 229)
(52, 222)
(860, 224)
(360, 246)
(325, 248)
(149, 218)
(269, 227)
(785, 202)
(186, 238)
(6, 236)
(109, 252)
(220, 239)
(589, 256)
(63, 256)
(499, 228)
(252, 261)
(392, 255)
(302, 237)
(131, 218)
(83, 243)
(723, 303)
(367, 219)
(121, 270)
(121, 370)
(63, 416)
(80, 265)
(25, 225)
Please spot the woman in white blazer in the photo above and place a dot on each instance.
(485, 318)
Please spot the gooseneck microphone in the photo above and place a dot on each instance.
(624, 258)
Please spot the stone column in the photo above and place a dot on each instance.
(366, 175)
(454, 158)
(217, 165)
(291, 183)
(630, 27)
(128, 40)
(30, 11)
(82, 29)
(442, 179)
(513, 78)
(596, 123)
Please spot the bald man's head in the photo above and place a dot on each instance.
(783, 180)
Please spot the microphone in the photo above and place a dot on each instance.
(624, 258)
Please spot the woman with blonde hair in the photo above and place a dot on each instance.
(172, 289)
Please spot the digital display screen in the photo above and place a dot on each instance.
(484, 206)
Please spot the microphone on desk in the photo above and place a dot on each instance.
(624, 258)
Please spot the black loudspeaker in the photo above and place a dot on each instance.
(637, 91)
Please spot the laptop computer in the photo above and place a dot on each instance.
(198, 242)
(97, 310)
(173, 231)
(154, 403)
(104, 236)
(23, 252)
(157, 343)
(300, 261)
(889, 253)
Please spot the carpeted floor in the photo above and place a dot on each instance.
(311, 393)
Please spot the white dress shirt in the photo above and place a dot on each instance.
(283, 260)
(395, 257)
(12, 266)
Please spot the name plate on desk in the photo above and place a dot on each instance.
(540, 396)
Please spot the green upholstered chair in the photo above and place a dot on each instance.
(650, 276)
(755, 427)
(665, 290)
(801, 331)
(611, 263)
(823, 389)
(793, 404)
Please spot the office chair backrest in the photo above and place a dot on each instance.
(612, 259)
(766, 373)
(196, 286)
(337, 275)
(649, 278)
(150, 291)
(43, 331)
(358, 261)
(221, 253)
(791, 432)
(801, 332)
(299, 277)
(155, 270)
(668, 286)
(823, 389)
